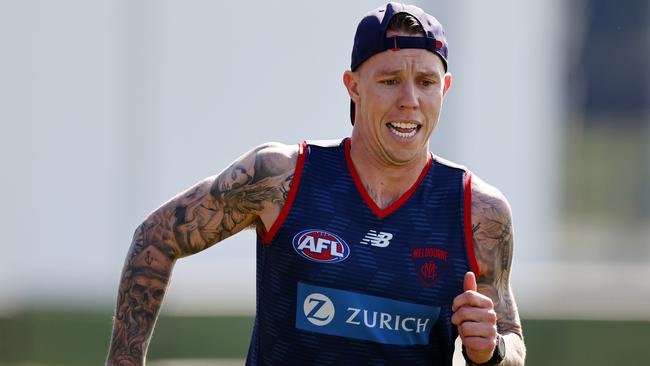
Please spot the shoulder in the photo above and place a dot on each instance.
(447, 163)
(267, 164)
(491, 228)
(273, 158)
(487, 201)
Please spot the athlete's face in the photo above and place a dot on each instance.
(398, 97)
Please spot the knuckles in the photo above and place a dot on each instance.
(480, 344)
(473, 299)
(474, 329)
(491, 317)
(476, 319)
(474, 314)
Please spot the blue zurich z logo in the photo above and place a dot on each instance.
(318, 309)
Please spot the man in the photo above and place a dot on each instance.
(368, 248)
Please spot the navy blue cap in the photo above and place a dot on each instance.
(370, 38)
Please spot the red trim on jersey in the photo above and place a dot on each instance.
(366, 197)
(467, 210)
(267, 237)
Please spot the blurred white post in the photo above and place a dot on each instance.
(647, 126)
(138, 63)
(506, 109)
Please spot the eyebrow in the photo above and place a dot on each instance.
(388, 72)
(431, 74)
(393, 72)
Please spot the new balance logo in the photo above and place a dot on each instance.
(377, 240)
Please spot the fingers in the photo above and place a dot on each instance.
(477, 330)
(474, 314)
(473, 299)
(469, 283)
(471, 305)
(479, 349)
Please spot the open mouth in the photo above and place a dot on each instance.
(404, 130)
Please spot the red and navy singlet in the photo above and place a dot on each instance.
(341, 281)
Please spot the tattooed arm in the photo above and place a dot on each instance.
(488, 305)
(250, 191)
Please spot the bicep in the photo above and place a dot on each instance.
(219, 206)
(493, 246)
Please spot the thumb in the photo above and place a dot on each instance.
(469, 284)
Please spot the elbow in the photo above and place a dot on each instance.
(151, 239)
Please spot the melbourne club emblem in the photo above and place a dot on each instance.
(429, 264)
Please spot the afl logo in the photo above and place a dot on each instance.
(320, 246)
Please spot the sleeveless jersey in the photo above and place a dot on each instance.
(341, 281)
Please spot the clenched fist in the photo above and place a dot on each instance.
(476, 320)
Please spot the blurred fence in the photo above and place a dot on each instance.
(81, 338)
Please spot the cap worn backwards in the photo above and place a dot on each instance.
(370, 37)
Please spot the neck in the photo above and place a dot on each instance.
(385, 182)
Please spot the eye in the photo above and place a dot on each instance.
(389, 82)
(427, 82)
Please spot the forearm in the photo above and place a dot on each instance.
(509, 327)
(146, 273)
(515, 350)
(194, 220)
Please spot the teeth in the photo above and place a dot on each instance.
(412, 127)
(403, 124)
(403, 134)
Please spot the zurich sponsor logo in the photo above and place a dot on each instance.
(320, 246)
(365, 317)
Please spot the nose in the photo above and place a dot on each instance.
(408, 96)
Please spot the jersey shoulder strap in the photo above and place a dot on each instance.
(325, 143)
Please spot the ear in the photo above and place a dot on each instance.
(351, 82)
(447, 84)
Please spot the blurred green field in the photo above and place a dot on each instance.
(53, 338)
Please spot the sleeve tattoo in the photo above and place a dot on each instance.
(493, 243)
(196, 219)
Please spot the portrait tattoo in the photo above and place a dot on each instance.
(191, 222)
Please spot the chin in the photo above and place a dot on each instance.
(401, 156)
